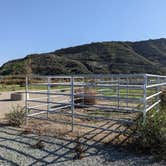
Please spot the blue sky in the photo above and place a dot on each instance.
(35, 26)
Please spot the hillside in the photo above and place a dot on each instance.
(102, 57)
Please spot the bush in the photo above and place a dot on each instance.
(163, 99)
(151, 135)
(16, 116)
(79, 149)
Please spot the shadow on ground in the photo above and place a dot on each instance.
(16, 149)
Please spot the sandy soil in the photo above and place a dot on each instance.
(17, 145)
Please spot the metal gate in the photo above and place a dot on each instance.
(93, 97)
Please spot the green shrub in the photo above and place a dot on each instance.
(16, 116)
(151, 135)
(163, 99)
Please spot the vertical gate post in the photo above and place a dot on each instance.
(26, 99)
(158, 89)
(144, 98)
(118, 90)
(127, 81)
(72, 100)
(83, 87)
(48, 95)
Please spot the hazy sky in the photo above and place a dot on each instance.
(34, 26)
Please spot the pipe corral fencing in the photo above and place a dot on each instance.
(110, 97)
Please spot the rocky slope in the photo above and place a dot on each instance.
(101, 57)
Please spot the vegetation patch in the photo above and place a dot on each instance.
(151, 135)
(38, 145)
(104, 57)
(79, 149)
(16, 117)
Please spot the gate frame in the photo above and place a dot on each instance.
(159, 81)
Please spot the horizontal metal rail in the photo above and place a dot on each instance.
(39, 98)
(155, 85)
(89, 96)
(157, 76)
(92, 85)
(121, 93)
(37, 113)
(47, 93)
(93, 117)
(82, 125)
(36, 106)
(118, 109)
(110, 97)
(58, 108)
(153, 105)
(40, 101)
(153, 95)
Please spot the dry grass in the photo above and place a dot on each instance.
(41, 127)
(79, 149)
(16, 116)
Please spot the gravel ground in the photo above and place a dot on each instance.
(16, 149)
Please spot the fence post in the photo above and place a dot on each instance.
(26, 99)
(48, 95)
(72, 101)
(158, 89)
(83, 92)
(118, 89)
(127, 80)
(145, 101)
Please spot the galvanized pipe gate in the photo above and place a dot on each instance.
(100, 94)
